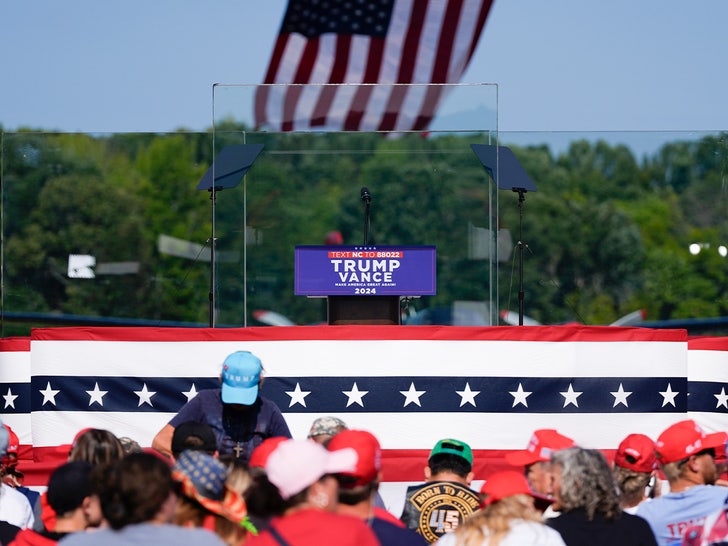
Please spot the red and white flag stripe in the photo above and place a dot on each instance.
(427, 42)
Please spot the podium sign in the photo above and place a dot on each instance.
(365, 271)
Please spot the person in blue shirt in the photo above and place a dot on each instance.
(239, 416)
(687, 459)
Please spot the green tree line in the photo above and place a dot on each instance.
(607, 233)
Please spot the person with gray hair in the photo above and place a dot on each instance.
(587, 496)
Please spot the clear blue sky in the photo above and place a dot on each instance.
(561, 65)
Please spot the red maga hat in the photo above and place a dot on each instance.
(368, 451)
(686, 438)
(540, 447)
(13, 441)
(636, 452)
(506, 484)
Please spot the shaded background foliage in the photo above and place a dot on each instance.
(607, 233)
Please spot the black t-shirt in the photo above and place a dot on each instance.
(8, 532)
(626, 530)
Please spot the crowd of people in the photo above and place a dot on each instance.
(226, 471)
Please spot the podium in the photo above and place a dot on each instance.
(383, 310)
(362, 284)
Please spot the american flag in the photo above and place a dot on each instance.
(410, 386)
(363, 43)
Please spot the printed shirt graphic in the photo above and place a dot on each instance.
(436, 508)
(672, 514)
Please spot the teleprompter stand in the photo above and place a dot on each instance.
(383, 310)
(508, 173)
(226, 172)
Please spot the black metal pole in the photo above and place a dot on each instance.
(521, 199)
(367, 223)
(211, 295)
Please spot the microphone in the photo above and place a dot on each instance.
(366, 198)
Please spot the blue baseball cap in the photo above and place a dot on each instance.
(240, 378)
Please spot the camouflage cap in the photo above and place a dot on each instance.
(328, 425)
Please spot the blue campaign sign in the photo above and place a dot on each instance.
(365, 271)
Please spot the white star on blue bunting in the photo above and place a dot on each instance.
(10, 399)
(96, 395)
(722, 398)
(49, 395)
(145, 396)
(668, 396)
(520, 396)
(298, 396)
(412, 396)
(355, 396)
(190, 394)
(570, 396)
(467, 396)
(379, 394)
(620, 396)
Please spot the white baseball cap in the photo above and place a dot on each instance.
(295, 465)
